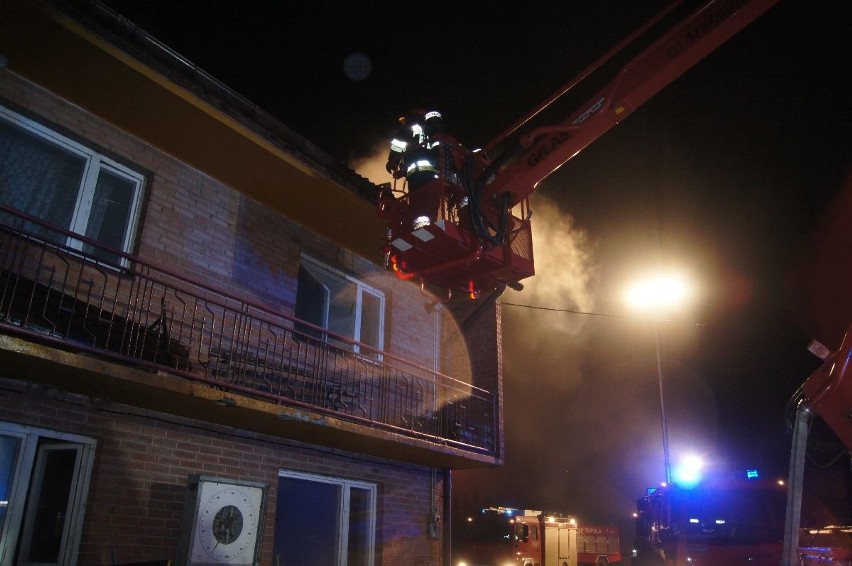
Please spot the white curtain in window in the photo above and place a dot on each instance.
(38, 178)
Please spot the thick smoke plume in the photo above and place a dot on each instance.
(564, 266)
(372, 167)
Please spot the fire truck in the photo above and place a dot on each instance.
(458, 219)
(748, 520)
(721, 521)
(504, 536)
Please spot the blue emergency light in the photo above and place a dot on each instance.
(689, 473)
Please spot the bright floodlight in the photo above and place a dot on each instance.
(659, 293)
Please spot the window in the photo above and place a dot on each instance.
(341, 304)
(44, 479)
(53, 178)
(322, 520)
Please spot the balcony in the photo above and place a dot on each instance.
(67, 306)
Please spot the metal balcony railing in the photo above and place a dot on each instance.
(62, 288)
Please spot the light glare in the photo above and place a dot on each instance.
(659, 293)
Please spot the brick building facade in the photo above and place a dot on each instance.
(223, 370)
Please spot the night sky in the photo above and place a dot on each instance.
(738, 173)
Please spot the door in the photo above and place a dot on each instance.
(49, 510)
(44, 480)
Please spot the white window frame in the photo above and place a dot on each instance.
(20, 492)
(343, 510)
(361, 289)
(95, 162)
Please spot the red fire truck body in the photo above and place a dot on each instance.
(828, 545)
(503, 536)
(721, 522)
(598, 545)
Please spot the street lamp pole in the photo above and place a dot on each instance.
(660, 293)
(666, 460)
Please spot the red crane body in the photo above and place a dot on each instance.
(827, 392)
(466, 225)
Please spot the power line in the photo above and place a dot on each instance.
(570, 311)
(603, 315)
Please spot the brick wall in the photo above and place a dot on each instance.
(143, 458)
(204, 230)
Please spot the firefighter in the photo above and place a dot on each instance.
(415, 155)
(416, 136)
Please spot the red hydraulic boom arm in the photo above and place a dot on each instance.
(548, 148)
(465, 223)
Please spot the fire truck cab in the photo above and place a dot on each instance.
(546, 540)
(732, 520)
